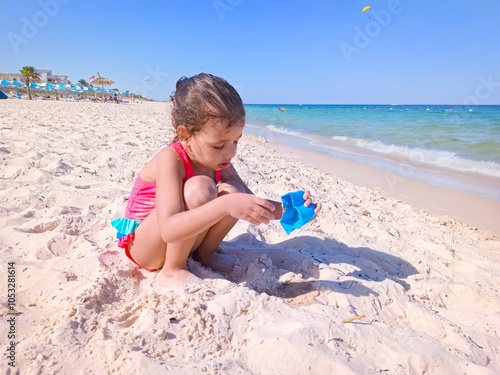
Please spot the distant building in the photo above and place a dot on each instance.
(45, 76)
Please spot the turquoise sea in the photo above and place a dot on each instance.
(425, 142)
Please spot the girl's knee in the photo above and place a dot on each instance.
(199, 190)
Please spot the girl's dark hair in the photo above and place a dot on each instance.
(203, 97)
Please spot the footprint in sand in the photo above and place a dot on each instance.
(110, 259)
(42, 227)
(126, 320)
(59, 246)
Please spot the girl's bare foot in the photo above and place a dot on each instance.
(173, 277)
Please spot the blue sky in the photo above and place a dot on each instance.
(281, 52)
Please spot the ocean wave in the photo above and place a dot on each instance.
(437, 158)
(280, 129)
(341, 138)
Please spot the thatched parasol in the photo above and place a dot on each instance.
(102, 82)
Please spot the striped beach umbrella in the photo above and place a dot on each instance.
(17, 84)
(34, 85)
(47, 87)
(4, 83)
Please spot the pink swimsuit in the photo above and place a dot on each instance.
(142, 202)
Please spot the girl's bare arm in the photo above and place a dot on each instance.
(176, 224)
(230, 174)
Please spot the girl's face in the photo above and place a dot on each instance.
(215, 145)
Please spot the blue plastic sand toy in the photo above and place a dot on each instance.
(295, 214)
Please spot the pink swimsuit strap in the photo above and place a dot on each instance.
(187, 164)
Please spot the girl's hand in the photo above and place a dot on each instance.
(308, 201)
(250, 208)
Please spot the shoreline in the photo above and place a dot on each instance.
(475, 211)
(473, 183)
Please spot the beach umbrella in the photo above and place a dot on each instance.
(77, 89)
(87, 89)
(101, 81)
(98, 89)
(90, 89)
(61, 87)
(44, 89)
(34, 85)
(4, 83)
(16, 83)
(47, 86)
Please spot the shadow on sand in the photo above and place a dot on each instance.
(262, 265)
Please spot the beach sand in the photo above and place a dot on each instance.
(425, 279)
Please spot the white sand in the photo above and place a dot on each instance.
(427, 284)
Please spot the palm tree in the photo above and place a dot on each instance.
(83, 83)
(30, 75)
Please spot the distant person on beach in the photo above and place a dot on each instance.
(189, 196)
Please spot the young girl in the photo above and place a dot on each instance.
(189, 196)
